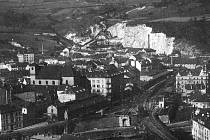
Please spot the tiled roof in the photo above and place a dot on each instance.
(20, 65)
(9, 108)
(67, 71)
(185, 60)
(50, 72)
(202, 115)
(203, 98)
(55, 72)
(194, 72)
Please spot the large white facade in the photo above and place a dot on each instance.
(26, 58)
(100, 85)
(199, 131)
(141, 36)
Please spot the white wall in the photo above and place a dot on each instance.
(43, 82)
(102, 82)
(55, 111)
(63, 97)
(126, 123)
(69, 79)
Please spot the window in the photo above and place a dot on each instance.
(40, 82)
(33, 82)
(93, 81)
(98, 90)
(46, 82)
(67, 82)
(51, 110)
(32, 68)
(94, 85)
(98, 86)
(98, 81)
(53, 82)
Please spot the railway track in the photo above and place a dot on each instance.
(153, 122)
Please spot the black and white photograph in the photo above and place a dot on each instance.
(104, 69)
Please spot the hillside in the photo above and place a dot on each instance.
(173, 17)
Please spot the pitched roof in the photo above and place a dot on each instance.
(203, 98)
(55, 72)
(49, 72)
(9, 108)
(194, 72)
(67, 71)
(185, 60)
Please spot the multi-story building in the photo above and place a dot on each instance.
(11, 118)
(190, 80)
(106, 83)
(189, 63)
(27, 57)
(201, 124)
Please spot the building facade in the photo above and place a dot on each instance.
(28, 57)
(106, 83)
(11, 118)
(51, 75)
(201, 125)
(190, 80)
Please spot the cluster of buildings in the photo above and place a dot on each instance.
(119, 59)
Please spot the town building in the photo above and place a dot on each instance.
(200, 101)
(106, 83)
(70, 93)
(11, 118)
(26, 57)
(51, 75)
(189, 63)
(190, 80)
(201, 124)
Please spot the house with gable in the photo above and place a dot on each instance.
(51, 74)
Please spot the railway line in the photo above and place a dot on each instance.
(153, 122)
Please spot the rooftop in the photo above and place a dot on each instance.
(9, 108)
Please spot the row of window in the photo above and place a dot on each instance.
(46, 82)
(98, 86)
(99, 81)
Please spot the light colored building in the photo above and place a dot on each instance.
(51, 75)
(28, 57)
(190, 80)
(201, 101)
(201, 125)
(105, 83)
(69, 93)
(189, 63)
